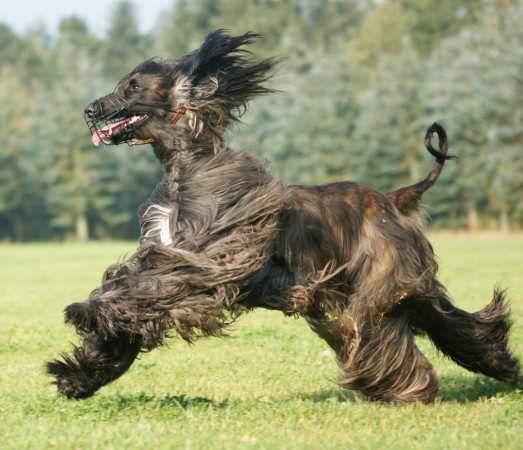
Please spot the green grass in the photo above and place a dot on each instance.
(271, 385)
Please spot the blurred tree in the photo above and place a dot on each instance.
(76, 180)
(314, 24)
(21, 196)
(477, 91)
(124, 46)
(328, 22)
(504, 56)
(343, 113)
(186, 25)
(26, 55)
(304, 131)
(388, 135)
(78, 34)
(429, 23)
(426, 23)
(382, 32)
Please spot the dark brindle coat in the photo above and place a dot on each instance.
(221, 236)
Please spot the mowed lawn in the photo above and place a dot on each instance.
(270, 386)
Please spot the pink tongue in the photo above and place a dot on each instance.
(98, 135)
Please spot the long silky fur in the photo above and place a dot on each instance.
(222, 236)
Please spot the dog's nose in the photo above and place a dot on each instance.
(90, 110)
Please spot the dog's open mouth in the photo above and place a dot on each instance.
(118, 131)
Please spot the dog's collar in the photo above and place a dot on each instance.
(177, 116)
(181, 111)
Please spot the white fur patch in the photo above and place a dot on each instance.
(156, 223)
(195, 124)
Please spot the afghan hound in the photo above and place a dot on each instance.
(221, 236)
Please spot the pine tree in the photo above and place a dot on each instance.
(428, 23)
(472, 85)
(124, 46)
(75, 178)
(21, 196)
(304, 130)
(388, 134)
(184, 28)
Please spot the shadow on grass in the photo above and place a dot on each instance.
(465, 389)
(453, 389)
(122, 402)
(333, 395)
(457, 389)
(337, 395)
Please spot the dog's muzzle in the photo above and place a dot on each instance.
(110, 120)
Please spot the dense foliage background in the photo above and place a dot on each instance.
(360, 80)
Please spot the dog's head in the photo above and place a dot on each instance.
(202, 91)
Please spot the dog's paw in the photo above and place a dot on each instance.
(74, 388)
(70, 381)
(82, 316)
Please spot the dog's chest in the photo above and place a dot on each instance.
(157, 223)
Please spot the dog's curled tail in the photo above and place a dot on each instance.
(407, 199)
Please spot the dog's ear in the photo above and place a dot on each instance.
(222, 73)
(217, 52)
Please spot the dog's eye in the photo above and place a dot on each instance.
(134, 86)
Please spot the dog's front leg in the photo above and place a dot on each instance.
(83, 316)
(94, 364)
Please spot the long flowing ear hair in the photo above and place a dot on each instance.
(222, 78)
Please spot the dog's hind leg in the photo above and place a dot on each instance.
(380, 362)
(94, 364)
(478, 342)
